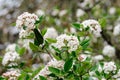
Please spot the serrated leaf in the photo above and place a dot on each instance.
(54, 70)
(68, 64)
(38, 37)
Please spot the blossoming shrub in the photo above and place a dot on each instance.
(66, 56)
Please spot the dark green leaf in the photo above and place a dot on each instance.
(38, 37)
(76, 25)
(1, 78)
(42, 78)
(54, 70)
(68, 64)
(85, 43)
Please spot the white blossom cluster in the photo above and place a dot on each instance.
(26, 22)
(109, 67)
(94, 26)
(45, 71)
(116, 30)
(82, 57)
(109, 51)
(45, 57)
(117, 76)
(86, 4)
(12, 74)
(98, 58)
(112, 10)
(51, 33)
(71, 30)
(79, 13)
(65, 40)
(11, 56)
(8, 5)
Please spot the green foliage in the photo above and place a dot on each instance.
(68, 64)
(33, 47)
(42, 78)
(38, 37)
(19, 50)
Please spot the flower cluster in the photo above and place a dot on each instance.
(94, 26)
(116, 30)
(109, 67)
(51, 33)
(12, 74)
(26, 22)
(45, 71)
(11, 57)
(65, 40)
(109, 51)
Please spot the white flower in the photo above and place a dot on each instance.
(79, 13)
(24, 33)
(72, 30)
(26, 19)
(112, 10)
(86, 4)
(117, 75)
(109, 67)
(94, 26)
(12, 74)
(62, 13)
(82, 57)
(45, 57)
(51, 33)
(45, 71)
(103, 79)
(116, 30)
(109, 51)
(98, 57)
(55, 12)
(65, 40)
(40, 12)
(26, 22)
(10, 57)
(94, 78)
(10, 47)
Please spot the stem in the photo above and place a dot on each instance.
(49, 54)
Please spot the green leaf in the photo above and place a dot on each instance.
(19, 50)
(40, 20)
(43, 31)
(42, 78)
(54, 70)
(102, 22)
(85, 43)
(76, 25)
(68, 64)
(38, 37)
(1, 78)
(50, 40)
(33, 47)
